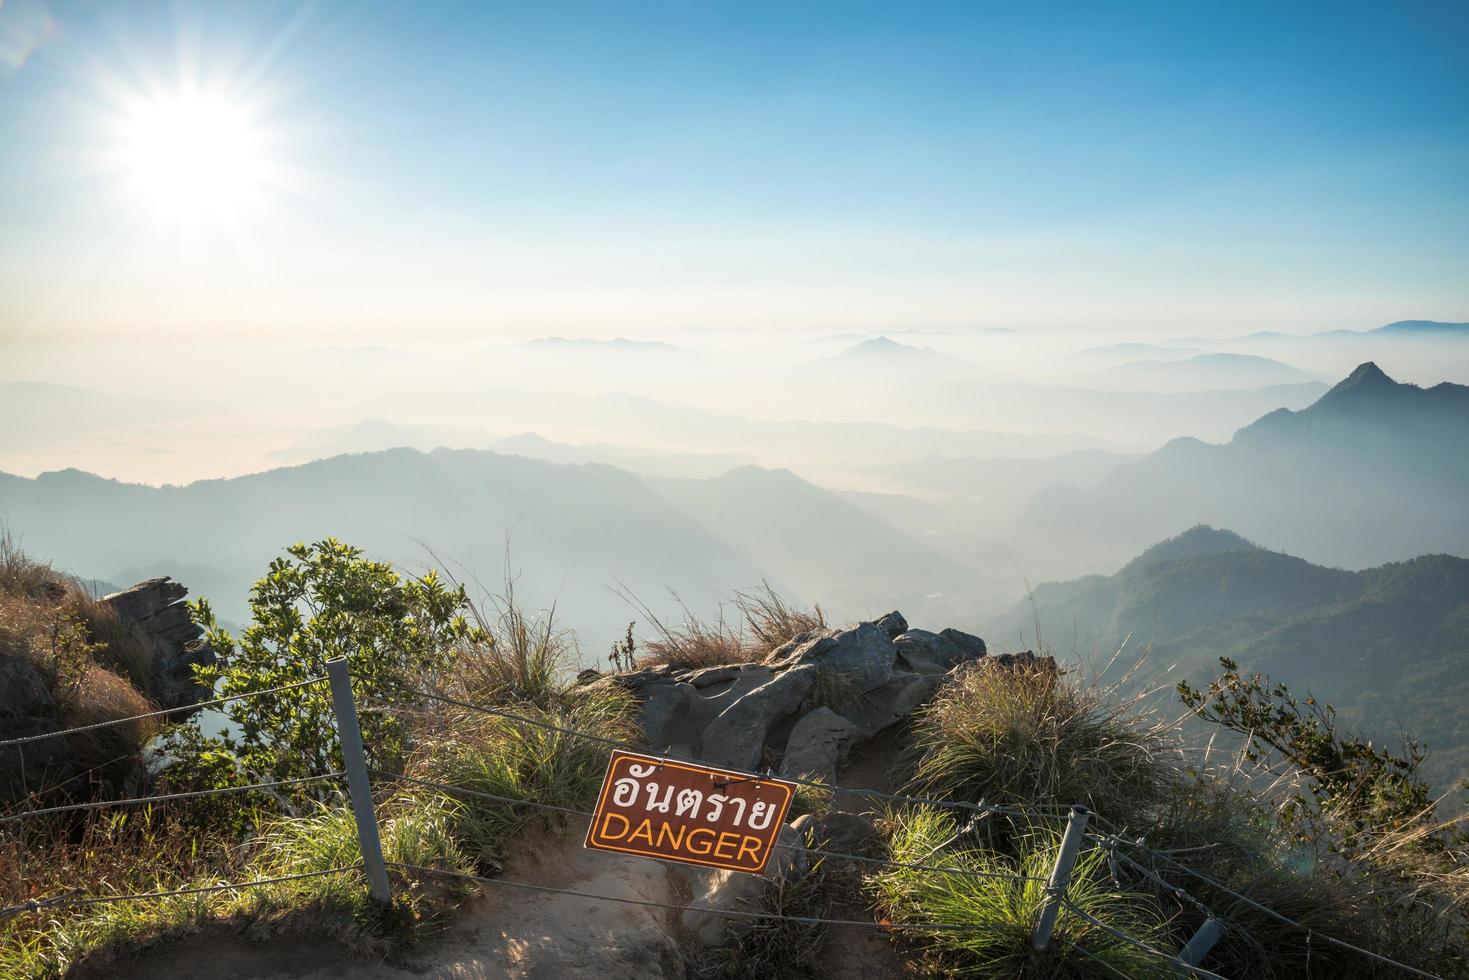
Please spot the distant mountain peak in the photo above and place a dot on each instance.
(1201, 539)
(885, 345)
(1366, 373)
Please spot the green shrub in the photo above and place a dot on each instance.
(325, 601)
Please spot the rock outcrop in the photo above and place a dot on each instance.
(814, 700)
(155, 608)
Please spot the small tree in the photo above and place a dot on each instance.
(323, 601)
(1349, 779)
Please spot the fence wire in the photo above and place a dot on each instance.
(1133, 941)
(1279, 917)
(26, 740)
(981, 808)
(820, 852)
(189, 795)
(73, 901)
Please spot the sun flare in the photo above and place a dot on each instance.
(192, 157)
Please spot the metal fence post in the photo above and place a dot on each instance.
(1060, 877)
(354, 761)
(1198, 947)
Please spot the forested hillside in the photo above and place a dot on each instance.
(1386, 645)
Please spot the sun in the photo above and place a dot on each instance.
(191, 157)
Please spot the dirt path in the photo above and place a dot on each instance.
(507, 934)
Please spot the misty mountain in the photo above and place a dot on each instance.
(617, 345)
(884, 350)
(991, 492)
(375, 435)
(1113, 354)
(801, 533)
(1201, 371)
(634, 459)
(574, 531)
(1386, 645)
(1373, 471)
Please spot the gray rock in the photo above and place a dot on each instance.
(734, 740)
(865, 653)
(894, 701)
(155, 609)
(735, 891)
(838, 830)
(925, 652)
(665, 712)
(794, 643)
(819, 744)
(23, 691)
(970, 646)
(893, 624)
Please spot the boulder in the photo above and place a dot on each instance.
(864, 652)
(925, 652)
(893, 624)
(736, 891)
(838, 830)
(155, 609)
(734, 740)
(665, 712)
(23, 691)
(894, 701)
(970, 646)
(819, 744)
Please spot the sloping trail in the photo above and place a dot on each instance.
(505, 934)
(514, 934)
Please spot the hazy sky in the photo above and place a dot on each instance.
(377, 169)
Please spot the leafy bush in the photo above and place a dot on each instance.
(326, 601)
(1369, 789)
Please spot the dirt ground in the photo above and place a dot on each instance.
(516, 934)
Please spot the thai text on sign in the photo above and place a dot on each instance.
(680, 811)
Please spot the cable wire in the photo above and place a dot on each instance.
(191, 794)
(1119, 934)
(985, 808)
(1286, 920)
(808, 920)
(69, 902)
(965, 872)
(156, 714)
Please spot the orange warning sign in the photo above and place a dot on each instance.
(680, 811)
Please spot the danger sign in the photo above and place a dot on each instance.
(679, 811)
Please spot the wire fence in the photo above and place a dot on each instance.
(357, 776)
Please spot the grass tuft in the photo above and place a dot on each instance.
(763, 621)
(994, 916)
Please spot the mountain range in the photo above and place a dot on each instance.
(1386, 645)
(1373, 471)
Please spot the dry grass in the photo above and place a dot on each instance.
(1032, 736)
(26, 582)
(762, 621)
(73, 644)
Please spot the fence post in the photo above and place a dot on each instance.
(1060, 879)
(354, 761)
(1198, 947)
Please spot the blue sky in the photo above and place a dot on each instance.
(600, 168)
